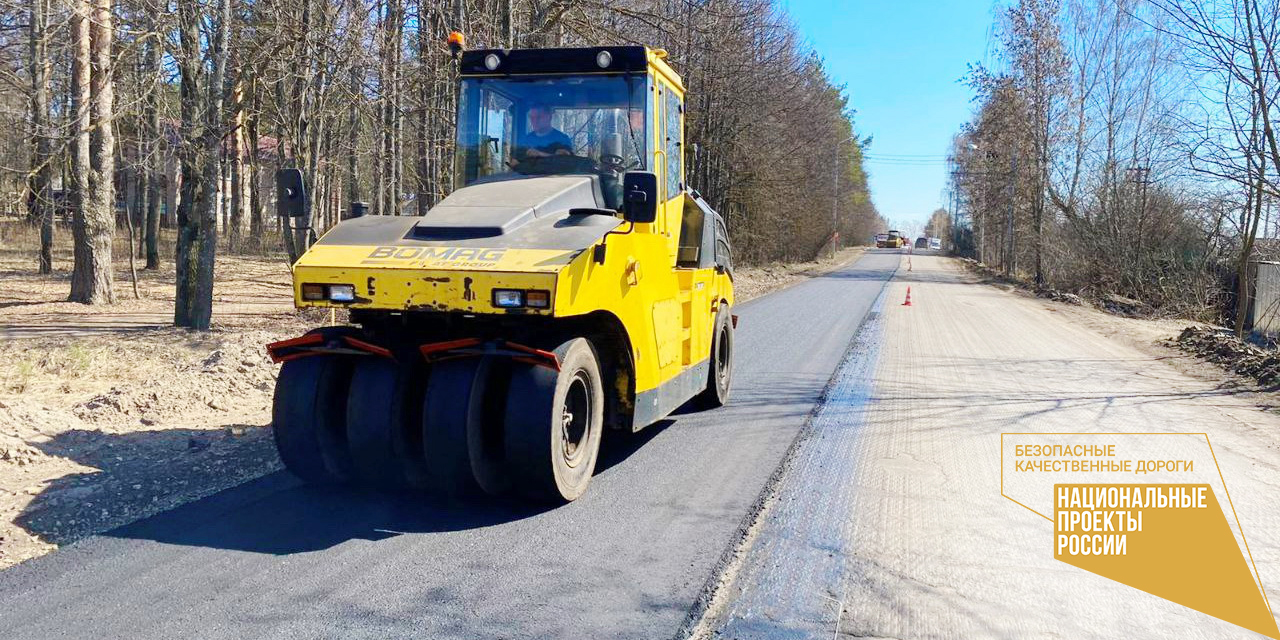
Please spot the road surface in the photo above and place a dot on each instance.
(275, 559)
(871, 428)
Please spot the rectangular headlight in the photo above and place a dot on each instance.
(313, 292)
(508, 298)
(537, 299)
(342, 292)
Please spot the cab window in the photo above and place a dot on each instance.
(672, 111)
(537, 125)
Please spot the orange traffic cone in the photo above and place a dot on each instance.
(908, 302)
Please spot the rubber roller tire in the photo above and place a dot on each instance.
(308, 418)
(384, 418)
(554, 422)
(462, 449)
(720, 364)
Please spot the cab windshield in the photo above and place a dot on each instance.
(543, 125)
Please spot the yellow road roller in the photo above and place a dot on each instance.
(571, 285)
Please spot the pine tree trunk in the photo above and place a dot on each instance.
(152, 163)
(192, 111)
(353, 138)
(256, 214)
(424, 115)
(41, 208)
(94, 153)
(202, 303)
(237, 168)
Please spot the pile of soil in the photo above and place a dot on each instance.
(1059, 296)
(174, 416)
(236, 373)
(1127, 307)
(109, 414)
(1222, 347)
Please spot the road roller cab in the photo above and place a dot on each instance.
(572, 283)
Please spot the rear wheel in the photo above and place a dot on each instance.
(720, 364)
(554, 421)
(384, 424)
(308, 418)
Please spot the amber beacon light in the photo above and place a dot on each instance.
(457, 42)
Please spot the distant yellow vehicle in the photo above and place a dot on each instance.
(891, 240)
(572, 281)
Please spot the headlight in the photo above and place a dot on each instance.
(492, 61)
(313, 292)
(508, 298)
(604, 59)
(342, 292)
(520, 298)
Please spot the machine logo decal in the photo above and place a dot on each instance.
(434, 256)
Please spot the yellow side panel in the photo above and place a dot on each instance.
(631, 280)
(698, 312)
(666, 330)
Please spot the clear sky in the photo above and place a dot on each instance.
(901, 63)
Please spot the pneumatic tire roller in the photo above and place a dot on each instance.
(561, 292)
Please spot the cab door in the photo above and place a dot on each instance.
(682, 225)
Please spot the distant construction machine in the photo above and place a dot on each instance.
(891, 240)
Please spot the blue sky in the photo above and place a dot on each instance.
(900, 63)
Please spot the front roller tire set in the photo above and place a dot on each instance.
(458, 427)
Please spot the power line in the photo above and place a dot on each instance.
(906, 155)
(907, 163)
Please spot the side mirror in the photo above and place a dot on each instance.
(291, 193)
(640, 196)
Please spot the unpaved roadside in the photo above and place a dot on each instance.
(109, 414)
(932, 547)
(753, 282)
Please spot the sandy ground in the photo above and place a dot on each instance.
(110, 414)
(935, 551)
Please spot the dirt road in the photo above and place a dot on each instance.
(930, 548)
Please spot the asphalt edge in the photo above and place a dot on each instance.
(700, 622)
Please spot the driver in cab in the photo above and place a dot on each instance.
(542, 139)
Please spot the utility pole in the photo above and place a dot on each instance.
(955, 215)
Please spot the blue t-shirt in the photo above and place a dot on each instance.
(548, 142)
